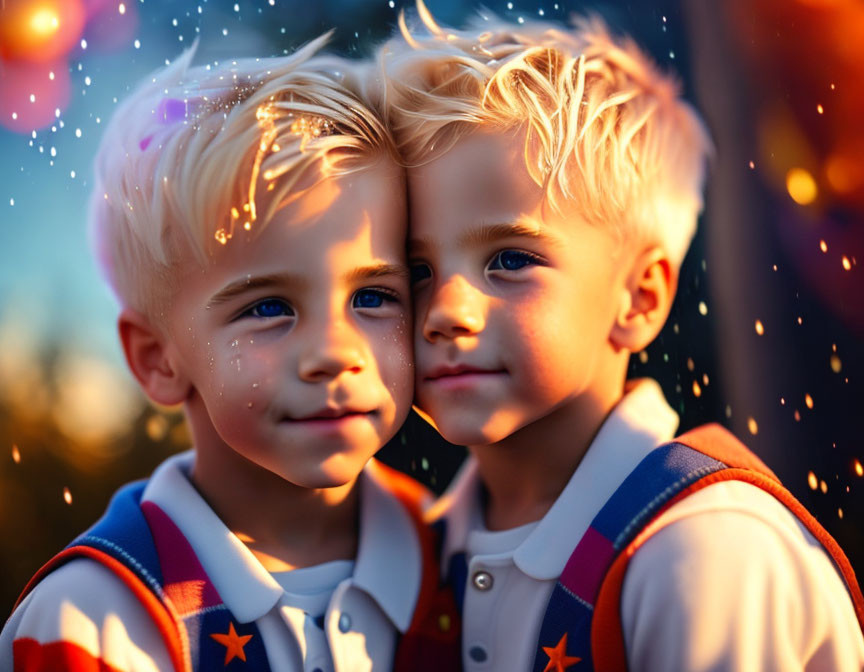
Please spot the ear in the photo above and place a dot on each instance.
(151, 359)
(647, 296)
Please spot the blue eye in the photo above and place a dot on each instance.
(512, 260)
(270, 308)
(420, 272)
(371, 298)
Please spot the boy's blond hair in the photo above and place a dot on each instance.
(606, 130)
(196, 156)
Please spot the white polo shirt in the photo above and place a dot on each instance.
(370, 600)
(734, 582)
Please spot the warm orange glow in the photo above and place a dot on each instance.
(836, 364)
(808, 400)
(697, 390)
(812, 481)
(44, 21)
(16, 454)
(67, 496)
(847, 265)
(859, 469)
(823, 486)
(823, 246)
(801, 186)
(759, 328)
(820, 109)
(843, 173)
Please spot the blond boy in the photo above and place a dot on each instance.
(251, 219)
(555, 180)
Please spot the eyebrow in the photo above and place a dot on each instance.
(248, 284)
(378, 271)
(489, 233)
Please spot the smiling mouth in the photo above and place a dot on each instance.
(460, 373)
(331, 416)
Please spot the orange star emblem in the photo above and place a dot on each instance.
(233, 644)
(558, 658)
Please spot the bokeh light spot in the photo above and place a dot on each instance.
(801, 186)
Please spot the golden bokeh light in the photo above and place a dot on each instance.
(812, 481)
(836, 364)
(697, 390)
(801, 186)
(752, 426)
(808, 400)
(759, 328)
(859, 468)
(847, 265)
(67, 496)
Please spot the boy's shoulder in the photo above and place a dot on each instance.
(80, 616)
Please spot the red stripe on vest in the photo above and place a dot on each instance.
(31, 656)
(166, 622)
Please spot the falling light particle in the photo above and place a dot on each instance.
(782, 401)
(800, 320)
(812, 481)
(690, 364)
(703, 308)
(391, 4)
(643, 357)
(752, 165)
(728, 411)
(840, 514)
(823, 246)
(12, 202)
(672, 54)
(77, 132)
(16, 454)
(121, 8)
(847, 265)
(823, 486)
(225, 31)
(67, 496)
(859, 468)
(809, 401)
(157, 427)
(247, 226)
(775, 268)
(836, 364)
(221, 236)
(801, 186)
(14, 115)
(51, 75)
(72, 174)
(137, 44)
(820, 109)
(797, 415)
(83, 44)
(705, 379)
(32, 98)
(759, 328)
(752, 426)
(88, 81)
(697, 390)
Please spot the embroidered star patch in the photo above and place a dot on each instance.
(233, 644)
(559, 661)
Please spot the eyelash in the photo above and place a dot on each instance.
(522, 255)
(382, 292)
(250, 312)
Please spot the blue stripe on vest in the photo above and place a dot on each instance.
(123, 533)
(663, 473)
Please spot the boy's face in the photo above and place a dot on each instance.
(513, 318)
(297, 341)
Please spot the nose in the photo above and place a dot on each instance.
(455, 309)
(333, 349)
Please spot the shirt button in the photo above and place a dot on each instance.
(482, 581)
(478, 654)
(344, 623)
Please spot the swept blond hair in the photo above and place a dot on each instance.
(606, 129)
(198, 155)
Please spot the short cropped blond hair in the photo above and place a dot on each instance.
(606, 129)
(198, 155)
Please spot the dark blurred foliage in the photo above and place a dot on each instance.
(755, 70)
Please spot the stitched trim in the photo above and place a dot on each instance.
(658, 500)
(151, 580)
(585, 604)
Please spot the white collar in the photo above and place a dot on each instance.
(388, 563)
(640, 422)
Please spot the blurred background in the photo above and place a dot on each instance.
(765, 336)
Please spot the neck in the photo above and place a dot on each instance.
(525, 473)
(284, 525)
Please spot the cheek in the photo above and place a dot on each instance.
(242, 374)
(394, 354)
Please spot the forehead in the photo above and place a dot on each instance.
(482, 178)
